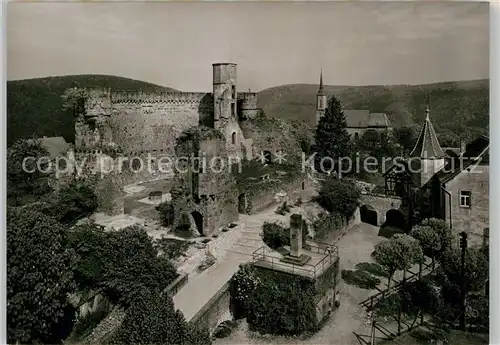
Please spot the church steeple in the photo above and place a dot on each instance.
(320, 99)
(320, 91)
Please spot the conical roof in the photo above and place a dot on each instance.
(427, 145)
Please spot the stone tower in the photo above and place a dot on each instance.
(320, 100)
(96, 152)
(225, 108)
(427, 155)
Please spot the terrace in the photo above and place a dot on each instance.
(322, 256)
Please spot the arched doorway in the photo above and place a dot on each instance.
(267, 157)
(242, 203)
(198, 221)
(368, 215)
(395, 218)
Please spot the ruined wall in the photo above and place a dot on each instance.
(263, 194)
(210, 191)
(147, 122)
(474, 219)
(99, 172)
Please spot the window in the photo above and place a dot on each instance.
(233, 91)
(233, 109)
(465, 199)
(356, 136)
(233, 138)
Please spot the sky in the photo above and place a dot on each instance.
(174, 44)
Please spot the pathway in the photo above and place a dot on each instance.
(233, 248)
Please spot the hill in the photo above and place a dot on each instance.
(34, 105)
(461, 107)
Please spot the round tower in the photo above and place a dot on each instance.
(224, 91)
(248, 105)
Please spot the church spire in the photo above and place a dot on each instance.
(320, 91)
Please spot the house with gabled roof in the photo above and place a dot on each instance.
(457, 180)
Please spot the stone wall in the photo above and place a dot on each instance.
(155, 121)
(263, 194)
(210, 194)
(215, 311)
(326, 287)
(381, 203)
(475, 219)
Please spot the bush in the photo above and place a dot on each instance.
(121, 263)
(39, 278)
(166, 210)
(389, 231)
(373, 268)
(339, 196)
(153, 319)
(74, 201)
(171, 248)
(275, 235)
(282, 304)
(361, 279)
(326, 225)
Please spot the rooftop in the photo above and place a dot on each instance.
(365, 119)
(427, 145)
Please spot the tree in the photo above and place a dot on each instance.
(30, 179)
(39, 276)
(339, 196)
(74, 201)
(445, 237)
(332, 141)
(400, 252)
(121, 263)
(429, 240)
(73, 100)
(152, 319)
(407, 136)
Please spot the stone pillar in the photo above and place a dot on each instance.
(296, 235)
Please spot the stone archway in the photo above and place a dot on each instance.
(368, 215)
(198, 221)
(395, 218)
(242, 203)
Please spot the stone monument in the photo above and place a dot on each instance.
(296, 256)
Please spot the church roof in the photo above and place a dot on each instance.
(357, 118)
(365, 119)
(427, 145)
(321, 91)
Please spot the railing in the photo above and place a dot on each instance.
(264, 255)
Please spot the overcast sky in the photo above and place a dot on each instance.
(174, 44)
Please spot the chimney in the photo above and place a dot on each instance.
(296, 235)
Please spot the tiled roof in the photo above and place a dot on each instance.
(365, 119)
(55, 146)
(378, 120)
(476, 152)
(357, 118)
(427, 145)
